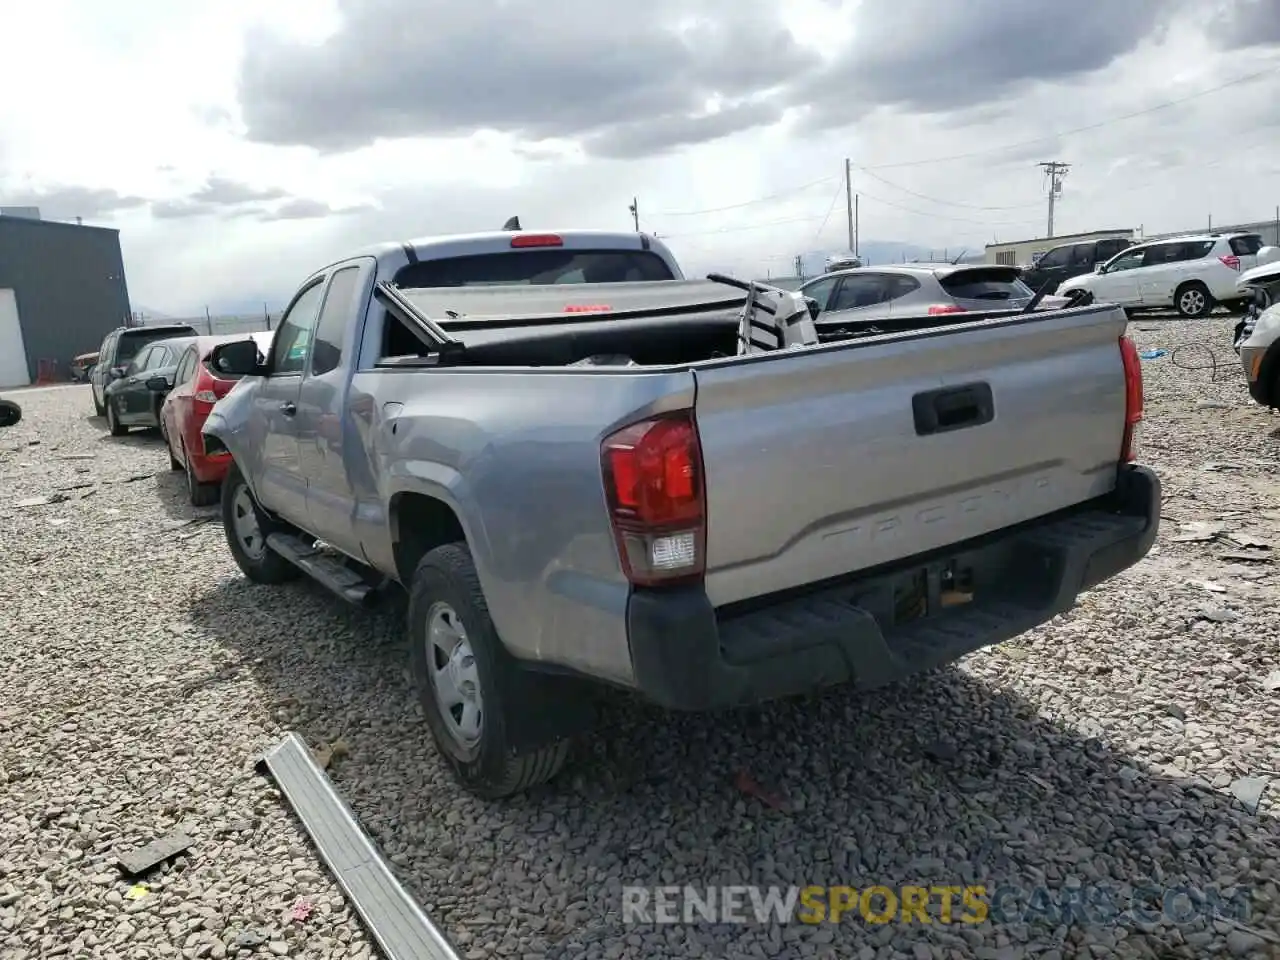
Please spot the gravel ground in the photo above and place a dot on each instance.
(142, 674)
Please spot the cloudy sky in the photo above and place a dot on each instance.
(240, 144)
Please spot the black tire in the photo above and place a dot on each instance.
(114, 425)
(200, 494)
(264, 566)
(490, 766)
(1193, 300)
(10, 413)
(174, 464)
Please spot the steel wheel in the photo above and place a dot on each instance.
(245, 522)
(454, 676)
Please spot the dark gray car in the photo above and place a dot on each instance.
(118, 350)
(128, 401)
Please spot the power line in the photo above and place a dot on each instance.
(949, 203)
(738, 229)
(830, 210)
(938, 216)
(746, 203)
(1091, 126)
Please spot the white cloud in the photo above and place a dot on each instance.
(140, 99)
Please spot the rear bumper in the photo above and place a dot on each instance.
(210, 468)
(688, 656)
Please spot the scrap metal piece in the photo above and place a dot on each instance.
(393, 918)
(145, 858)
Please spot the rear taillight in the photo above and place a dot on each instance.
(537, 240)
(1133, 400)
(588, 308)
(654, 487)
(1231, 260)
(941, 308)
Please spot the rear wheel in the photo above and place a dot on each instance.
(113, 420)
(472, 693)
(247, 528)
(168, 446)
(1193, 300)
(201, 494)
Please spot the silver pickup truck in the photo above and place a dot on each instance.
(591, 484)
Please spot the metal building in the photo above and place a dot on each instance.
(62, 289)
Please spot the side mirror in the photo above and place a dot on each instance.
(117, 372)
(238, 358)
(158, 384)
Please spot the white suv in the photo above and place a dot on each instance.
(1191, 273)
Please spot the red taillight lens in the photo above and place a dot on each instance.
(939, 309)
(1231, 260)
(588, 308)
(1133, 399)
(654, 487)
(537, 240)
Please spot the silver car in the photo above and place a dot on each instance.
(919, 289)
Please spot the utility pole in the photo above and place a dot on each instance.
(848, 203)
(1055, 171)
(799, 265)
(855, 225)
(635, 213)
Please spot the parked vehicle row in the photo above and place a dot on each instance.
(1191, 274)
(873, 293)
(536, 466)
(168, 384)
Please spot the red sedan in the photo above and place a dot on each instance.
(194, 391)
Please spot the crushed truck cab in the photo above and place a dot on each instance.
(600, 474)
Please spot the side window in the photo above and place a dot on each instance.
(289, 353)
(1057, 257)
(1247, 245)
(139, 363)
(860, 290)
(900, 286)
(820, 290)
(1082, 255)
(1109, 248)
(156, 357)
(186, 366)
(335, 317)
(108, 352)
(1127, 261)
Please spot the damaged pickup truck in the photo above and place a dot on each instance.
(678, 488)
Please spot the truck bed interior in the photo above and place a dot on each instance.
(667, 338)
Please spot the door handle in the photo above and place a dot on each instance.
(288, 408)
(953, 408)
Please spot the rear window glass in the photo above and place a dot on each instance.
(1246, 246)
(536, 267)
(985, 285)
(131, 343)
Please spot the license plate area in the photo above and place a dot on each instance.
(926, 591)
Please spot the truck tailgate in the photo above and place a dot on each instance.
(827, 461)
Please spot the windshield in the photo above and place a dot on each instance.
(536, 267)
